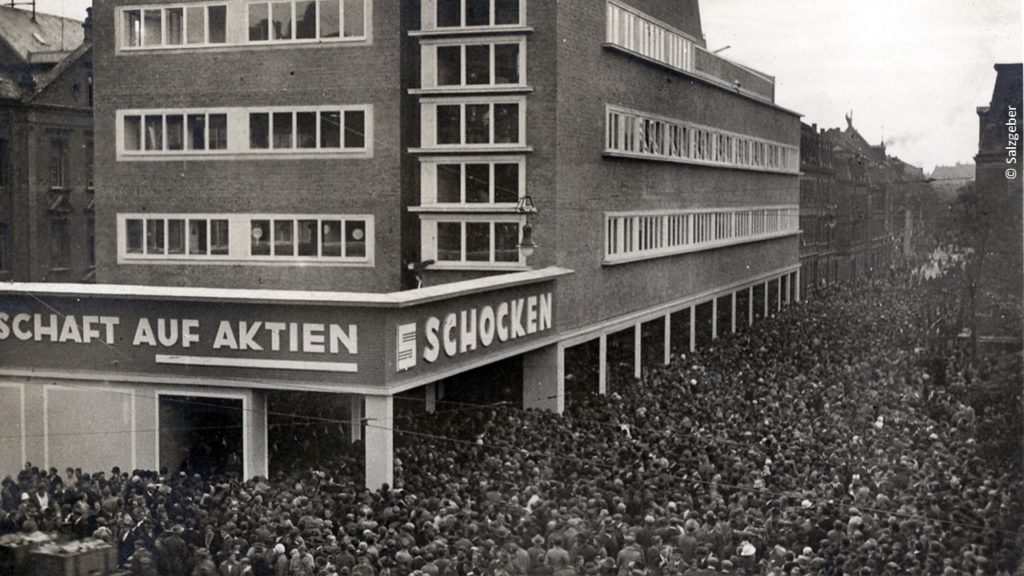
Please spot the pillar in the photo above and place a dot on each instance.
(778, 303)
(355, 418)
(693, 328)
(602, 368)
(638, 358)
(430, 390)
(789, 286)
(797, 289)
(668, 339)
(380, 441)
(766, 293)
(714, 318)
(750, 306)
(732, 315)
(544, 379)
(255, 447)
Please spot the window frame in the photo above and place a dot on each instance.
(238, 238)
(123, 32)
(429, 123)
(430, 64)
(319, 111)
(429, 183)
(58, 173)
(60, 244)
(429, 241)
(293, 39)
(429, 15)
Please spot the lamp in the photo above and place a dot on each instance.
(526, 206)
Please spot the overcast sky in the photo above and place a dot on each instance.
(913, 70)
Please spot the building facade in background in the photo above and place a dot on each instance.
(999, 272)
(47, 220)
(274, 180)
(818, 263)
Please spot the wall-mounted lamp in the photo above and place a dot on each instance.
(526, 206)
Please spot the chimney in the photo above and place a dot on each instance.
(87, 26)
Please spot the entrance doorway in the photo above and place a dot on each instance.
(201, 435)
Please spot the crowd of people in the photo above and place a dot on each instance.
(820, 441)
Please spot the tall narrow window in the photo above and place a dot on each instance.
(196, 24)
(355, 129)
(87, 163)
(218, 131)
(60, 244)
(330, 19)
(58, 163)
(355, 16)
(90, 243)
(305, 19)
(175, 26)
(259, 22)
(218, 24)
(259, 130)
(5, 163)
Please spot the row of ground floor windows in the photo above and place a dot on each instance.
(620, 357)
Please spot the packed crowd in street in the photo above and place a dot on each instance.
(820, 441)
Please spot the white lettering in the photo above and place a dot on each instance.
(450, 346)
(467, 331)
(350, 339)
(247, 336)
(108, 323)
(433, 349)
(313, 338)
(189, 334)
(486, 326)
(19, 332)
(144, 334)
(502, 324)
(69, 332)
(531, 315)
(225, 337)
(275, 329)
(5, 331)
(50, 330)
(167, 331)
(89, 331)
(545, 312)
(293, 337)
(517, 319)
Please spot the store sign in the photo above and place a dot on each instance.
(471, 329)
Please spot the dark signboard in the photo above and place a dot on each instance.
(370, 341)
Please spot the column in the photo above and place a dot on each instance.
(638, 359)
(732, 315)
(380, 441)
(544, 379)
(693, 328)
(430, 390)
(355, 418)
(255, 448)
(750, 306)
(714, 318)
(779, 292)
(766, 291)
(668, 339)
(602, 368)
(797, 289)
(789, 286)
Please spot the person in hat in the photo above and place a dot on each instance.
(537, 553)
(204, 565)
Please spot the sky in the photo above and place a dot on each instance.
(912, 71)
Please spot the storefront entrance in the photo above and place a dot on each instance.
(201, 435)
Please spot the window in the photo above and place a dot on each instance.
(475, 242)
(87, 162)
(159, 133)
(58, 163)
(5, 163)
(637, 236)
(633, 31)
(638, 134)
(310, 237)
(173, 26)
(307, 20)
(331, 129)
(478, 182)
(60, 245)
(497, 63)
(179, 237)
(90, 242)
(245, 131)
(472, 13)
(471, 123)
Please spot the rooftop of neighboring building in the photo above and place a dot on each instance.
(958, 172)
(38, 38)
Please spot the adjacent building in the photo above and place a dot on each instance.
(997, 270)
(818, 210)
(436, 200)
(47, 220)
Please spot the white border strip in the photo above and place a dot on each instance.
(344, 367)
